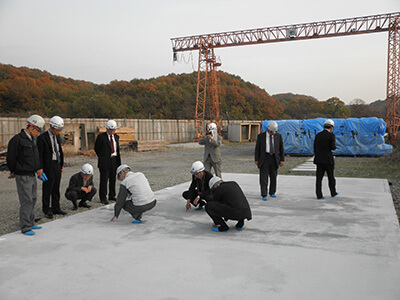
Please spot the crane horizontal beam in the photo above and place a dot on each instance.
(342, 27)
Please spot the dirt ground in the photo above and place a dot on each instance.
(162, 168)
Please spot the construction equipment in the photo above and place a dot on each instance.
(207, 76)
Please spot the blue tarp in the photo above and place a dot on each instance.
(354, 136)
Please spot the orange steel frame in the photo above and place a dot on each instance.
(350, 26)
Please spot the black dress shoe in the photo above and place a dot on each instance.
(48, 215)
(112, 199)
(83, 204)
(59, 212)
(105, 202)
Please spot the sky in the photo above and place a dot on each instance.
(101, 41)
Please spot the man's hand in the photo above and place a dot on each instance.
(89, 189)
(256, 162)
(11, 176)
(188, 205)
(196, 201)
(39, 173)
(281, 164)
(113, 218)
(84, 189)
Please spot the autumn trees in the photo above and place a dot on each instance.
(24, 90)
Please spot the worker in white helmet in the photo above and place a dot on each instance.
(198, 189)
(269, 155)
(81, 186)
(109, 158)
(212, 156)
(135, 195)
(52, 163)
(324, 144)
(23, 163)
(226, 201)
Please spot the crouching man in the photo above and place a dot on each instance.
(81, 187)
(135, 195)
(227, 202)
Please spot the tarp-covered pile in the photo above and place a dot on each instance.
(353, 136)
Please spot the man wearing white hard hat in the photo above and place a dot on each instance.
(81, 186)
(109, 158)
(226, 202)
(324, 144)
(212, 156)
(269, 155)
(199, 188)
(23, 163)
(135, 194)
(52, 163)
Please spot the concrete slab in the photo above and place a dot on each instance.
(307, 168)
(296, 247)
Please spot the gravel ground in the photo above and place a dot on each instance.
(162, 168)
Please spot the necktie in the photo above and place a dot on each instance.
(271, 145)
(56, 148)
(112, 144)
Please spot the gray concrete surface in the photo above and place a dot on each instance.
(296, 247)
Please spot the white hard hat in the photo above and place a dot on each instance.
(124, 168)
(329, 123)
(212, 126)
(36, 120)
(87, 169)
(197, 167)
(57, 122)
(272, 126)
(111, 125)
(213, 181)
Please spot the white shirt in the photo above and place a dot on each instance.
(267, 148)
(115, 144)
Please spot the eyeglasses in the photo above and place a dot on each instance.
(36, 128)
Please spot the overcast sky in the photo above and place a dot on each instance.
(101, 41)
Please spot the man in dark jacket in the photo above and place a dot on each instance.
(109, 159)
(81, 187)
(199, 188)
(269, 155)
(52, 163)
(324, 144)
(23, 163)
(227, 202)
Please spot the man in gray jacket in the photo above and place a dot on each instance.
(212, 156)
(135, 195)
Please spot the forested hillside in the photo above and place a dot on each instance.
(24, 91)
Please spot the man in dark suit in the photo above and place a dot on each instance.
(226, 202)
(109, 159)
(52, 162)
(324, 144)
(269, 156)
(81, 187)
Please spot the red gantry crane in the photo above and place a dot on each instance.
(207, 80)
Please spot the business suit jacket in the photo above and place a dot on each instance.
(102, 147)
(46, 151)
(76, 182)
(324, 144)
(260, 152)
(211, 147)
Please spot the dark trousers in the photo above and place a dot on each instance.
(219, 211)
(51, 188)
(74, 195)
(269, 169)
(137, 211)
(321, 169)
(108, 176)
(191, 196)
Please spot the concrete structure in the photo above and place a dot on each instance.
(307, 168)
(296, 247)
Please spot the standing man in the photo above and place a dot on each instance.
(135, 195)
(52, 163)
(23, 162)
(109, 158)
(199, 188)
(269, 156)
(227, 202)
(212, 156)
(81, 187)
(324, 144)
